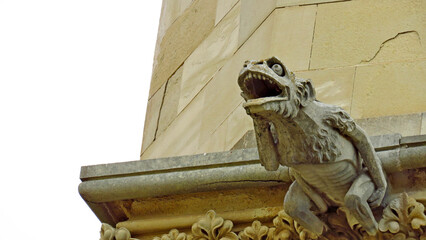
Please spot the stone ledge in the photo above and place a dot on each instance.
(145, 192)
(223, 170)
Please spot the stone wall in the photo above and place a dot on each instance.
(367, 56)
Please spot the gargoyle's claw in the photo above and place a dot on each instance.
(377, 197)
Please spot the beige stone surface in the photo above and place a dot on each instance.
(216, 141)
(170, 11)
(404, 46)
(423, 127)
(198, 203)
(406, 125)
(287, 3)
(238, 124)
(291, 38)
(222, 92)
(353, 32)
(170, 102)
(181, 39)
(182, 135)
(151, 118)
(223, 7)
(332, 86)
(253, 13)
(389, 89)
(210, 55)
(248, 140)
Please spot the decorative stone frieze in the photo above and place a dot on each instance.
(174, 234)
(213, 228)
(110, 233)
(404, 218)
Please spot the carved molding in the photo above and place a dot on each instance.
(403, 219)
(110, 233)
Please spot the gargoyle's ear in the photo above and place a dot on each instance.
(308, 92)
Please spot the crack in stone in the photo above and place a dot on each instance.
(388, 40)
(161, 108)
(245, 181)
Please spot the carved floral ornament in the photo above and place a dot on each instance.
(403, 219)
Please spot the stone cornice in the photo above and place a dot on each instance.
(219, 171)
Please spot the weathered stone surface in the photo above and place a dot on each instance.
(182, 135)
(332, 86)
(292, 42)
(222, 96)
(223, 7)
(390, 89)
(248, 140)
(169, 109)
(404, 46)
(318, 142)
(151, 118)
(180, 40)
(253, 13)
(238, 124)
(170, 11)
(354, 32)
(210, 55)
(216, 141)
(288, 3)
(423, 128)
(406, 125)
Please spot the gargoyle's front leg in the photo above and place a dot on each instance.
(346, 126)
(372, 162)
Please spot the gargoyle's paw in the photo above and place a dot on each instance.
(377, 197)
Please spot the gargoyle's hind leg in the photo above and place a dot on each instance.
(298, 206)
(356, 201)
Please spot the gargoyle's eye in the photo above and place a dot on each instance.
(278, 69)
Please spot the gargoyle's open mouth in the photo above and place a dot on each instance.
(258, 86)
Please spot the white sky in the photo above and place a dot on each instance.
(74, 79)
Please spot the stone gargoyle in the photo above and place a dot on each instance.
(329, 156)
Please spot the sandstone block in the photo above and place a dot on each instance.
(253, 13)
(216, 141)
(222, 92)
(238, 124)
(389, 89)
(170, 11)
(182, 135)
(151, 118)
(223, 7)
(423, 128)
(406, 125)
(181, 39)
(170, 102)
(332, 86)
(355, 32)
(212, 53)
(292, 35)
(287, 3)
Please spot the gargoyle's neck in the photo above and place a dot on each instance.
(294, 136)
